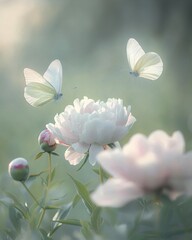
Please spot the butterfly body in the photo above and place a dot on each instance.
(147, 65)
(135, 74)
(58, 96)
(39, 89)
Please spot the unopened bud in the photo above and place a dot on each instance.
(47, 141)
(19, 169)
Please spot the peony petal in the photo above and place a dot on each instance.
(114, 162)
(62, 134)
(98, 131)
(73, 157)
(137, 147)
(119, 132)
(116, 193)
(131, 120)
(80, 147)
(163, 142)
(93, 152)
(147, 171)
(56, 132)
(181, 174)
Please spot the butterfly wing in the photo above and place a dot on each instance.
(149, 66)
(37, 94)
(42, 89)
(32, 76)
(53, 75)
(134, 53)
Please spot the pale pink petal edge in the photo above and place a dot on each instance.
(116, 193)
(73, 157)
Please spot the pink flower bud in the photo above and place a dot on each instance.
(47, 141)
(19, 169)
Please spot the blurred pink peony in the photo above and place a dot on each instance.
(88, 126)
(47, 141)
(145, 165)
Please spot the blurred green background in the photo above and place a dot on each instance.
(89, 38)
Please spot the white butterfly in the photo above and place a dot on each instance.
(147, 65)
(39, 89)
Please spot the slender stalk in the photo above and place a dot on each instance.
(50, 169)
(41, 217)
(46, 191)
(30, 193)
(101, 174)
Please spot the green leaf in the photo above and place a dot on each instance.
(60, 214)
(172, 221)
(96, 219)
(37, 174)
(15, 217)
(86, 230)
(6, 201)
(104, 173)
(39, 155)
(44, 235)
(22, 209)
(51, 207)
(75, 200)
(85, 160)
(54, 153)
(32, 177)
(74, 222)
(84, 194)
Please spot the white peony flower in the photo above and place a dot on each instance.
(144, 165)
(88, 126)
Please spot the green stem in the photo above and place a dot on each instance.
(48, 184)
(41, 217)
(50, 169)
(30, 193)
(101, 174)
(46, 191)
